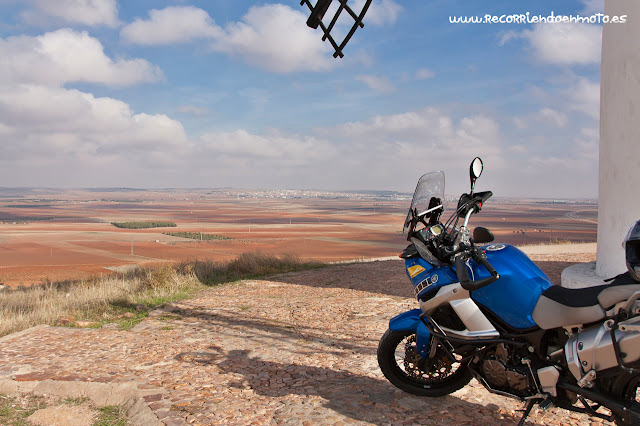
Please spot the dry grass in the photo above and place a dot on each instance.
(247, 265)
(102, 300)
(97, 300)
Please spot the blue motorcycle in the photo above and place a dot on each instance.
(487, 311)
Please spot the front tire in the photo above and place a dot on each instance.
(401, 364)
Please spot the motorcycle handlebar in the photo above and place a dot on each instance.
(482, 259)
(420, 215)
(463, 273)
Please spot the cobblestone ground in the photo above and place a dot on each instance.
(297, 349)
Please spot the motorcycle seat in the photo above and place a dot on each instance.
(560, 306)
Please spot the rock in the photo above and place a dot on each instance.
(411, 403)
(85, 324)
(462, 418)
(62, 416)
(382, 397)
(65, 320)
(236, 368)
(170, 307)
(111, 326)
(173, 421)
(31, 377)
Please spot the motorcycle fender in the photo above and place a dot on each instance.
(410, 321)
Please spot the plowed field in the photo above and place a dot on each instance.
(75, 239)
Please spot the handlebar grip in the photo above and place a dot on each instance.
(463, 274)
(482, 259)
(477, 285)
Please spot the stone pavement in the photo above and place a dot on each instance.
(296, 349)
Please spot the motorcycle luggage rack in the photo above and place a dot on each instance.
(616, 344)
(628, 306)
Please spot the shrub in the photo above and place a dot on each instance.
(143, 225)
(196, 236)
(247, 265)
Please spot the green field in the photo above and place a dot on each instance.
(197, 236)
(15, 218)
(143, 225)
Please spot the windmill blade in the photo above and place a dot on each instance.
(317, 13)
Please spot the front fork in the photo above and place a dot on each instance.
(410, 321)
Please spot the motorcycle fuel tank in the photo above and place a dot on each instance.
(512, 298)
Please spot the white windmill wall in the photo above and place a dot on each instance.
(619, 174)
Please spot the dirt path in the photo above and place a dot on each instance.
(560, 249)
(297, 349)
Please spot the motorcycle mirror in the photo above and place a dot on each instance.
(482, 235)
(475, 170)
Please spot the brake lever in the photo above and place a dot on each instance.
(463, 275)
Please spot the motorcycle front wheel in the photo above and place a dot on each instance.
(401, 364)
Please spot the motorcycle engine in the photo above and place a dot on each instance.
(506, 372)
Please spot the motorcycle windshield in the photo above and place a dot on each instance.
(429, 185)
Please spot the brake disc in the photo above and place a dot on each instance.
(438, 367)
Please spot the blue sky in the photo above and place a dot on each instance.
(243, 94)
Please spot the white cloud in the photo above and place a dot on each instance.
(592, 6)
(44, 124)
(424, 74)
(428, 130)
(54, 122)
(385, 151)
(380, 12)
(559, 119)
(284, 151)
(55, 136)
(379, 84)
(83, 140)
(520, 122)
(171, 25)
(584, 96)
(65, 56)
(544, 117)
(193, 110)
(565, 43)
(586, 144)
(276, 37)
(406, 126)
(395, 149)
(84, 12)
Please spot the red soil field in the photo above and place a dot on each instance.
(74, 238)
